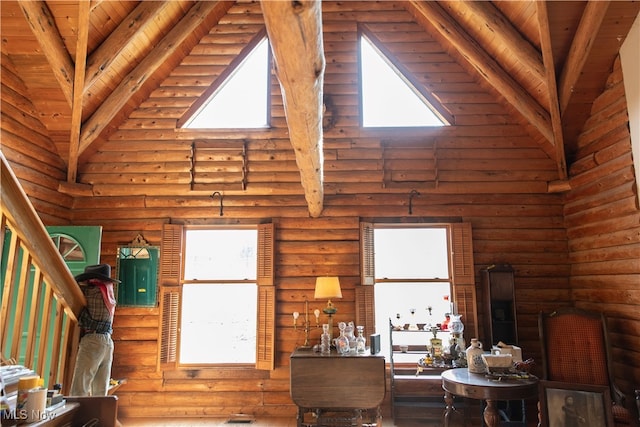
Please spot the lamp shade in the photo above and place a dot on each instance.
(327, 288)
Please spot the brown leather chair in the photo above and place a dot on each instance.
(575, 349)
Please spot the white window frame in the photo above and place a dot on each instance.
(225, 339)
(439, 305)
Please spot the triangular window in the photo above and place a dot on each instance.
(388, 98)
(241, 100)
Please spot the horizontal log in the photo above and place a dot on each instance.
(288, 411)
(615, 186)
(618, 208)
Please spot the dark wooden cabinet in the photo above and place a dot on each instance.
(500, 305)
(333, 387)
(500, 323)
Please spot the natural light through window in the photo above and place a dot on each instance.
(241, 101)
(411, 273)
(218, 323)
(219, 296)
(388, 100)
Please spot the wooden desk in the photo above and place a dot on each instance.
(79, 410)
(460, 382)
(335, 383)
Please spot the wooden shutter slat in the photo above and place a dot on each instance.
(265, 339)
(169, 337)
(464, 288)
(266, 328)
(367, 269)
(365, 309)
(171, 255)
(266, 254)
(462, 257)
(170, 274)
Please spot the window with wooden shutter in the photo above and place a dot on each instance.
(461, 285)
(171, 296)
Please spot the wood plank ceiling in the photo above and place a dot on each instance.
(89, 64)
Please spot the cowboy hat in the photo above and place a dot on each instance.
(100, 271)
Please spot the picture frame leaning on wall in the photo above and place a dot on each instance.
(574, 405)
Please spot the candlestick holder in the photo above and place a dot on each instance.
(306, 323)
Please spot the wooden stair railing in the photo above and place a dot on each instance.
(40, 298)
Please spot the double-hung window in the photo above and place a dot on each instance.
(412, 277)
(218, 299)
(415, 274)
(219, 296)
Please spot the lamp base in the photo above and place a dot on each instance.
(330, 311)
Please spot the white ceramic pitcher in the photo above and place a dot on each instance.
(474, 357)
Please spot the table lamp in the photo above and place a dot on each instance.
(328, 287)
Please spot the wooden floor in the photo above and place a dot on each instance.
(198, 422)
(209, 421)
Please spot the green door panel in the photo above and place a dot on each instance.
(138, 278)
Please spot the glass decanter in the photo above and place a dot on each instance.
(349, 331)
(342, 342)
(361, 341)
(325, 340)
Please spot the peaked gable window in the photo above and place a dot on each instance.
(388, 99)
(241, 101)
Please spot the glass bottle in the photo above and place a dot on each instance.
(349, 331)
(361, 341)
(413, 326)
(325, 340)
(342, 342)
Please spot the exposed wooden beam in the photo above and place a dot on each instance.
(75, 189)
(486, 15)
(295, 34)
(78, 89)
(125, 34)
(581, 45)
(554, 107)
(559, 186)
(44, 27)
(487, 67)
(134, 81)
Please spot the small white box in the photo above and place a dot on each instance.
(513, 350)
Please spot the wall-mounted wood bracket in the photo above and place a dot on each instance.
(409, 164)
(219, 165)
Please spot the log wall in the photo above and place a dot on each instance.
(603, 226)
(485, 170)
